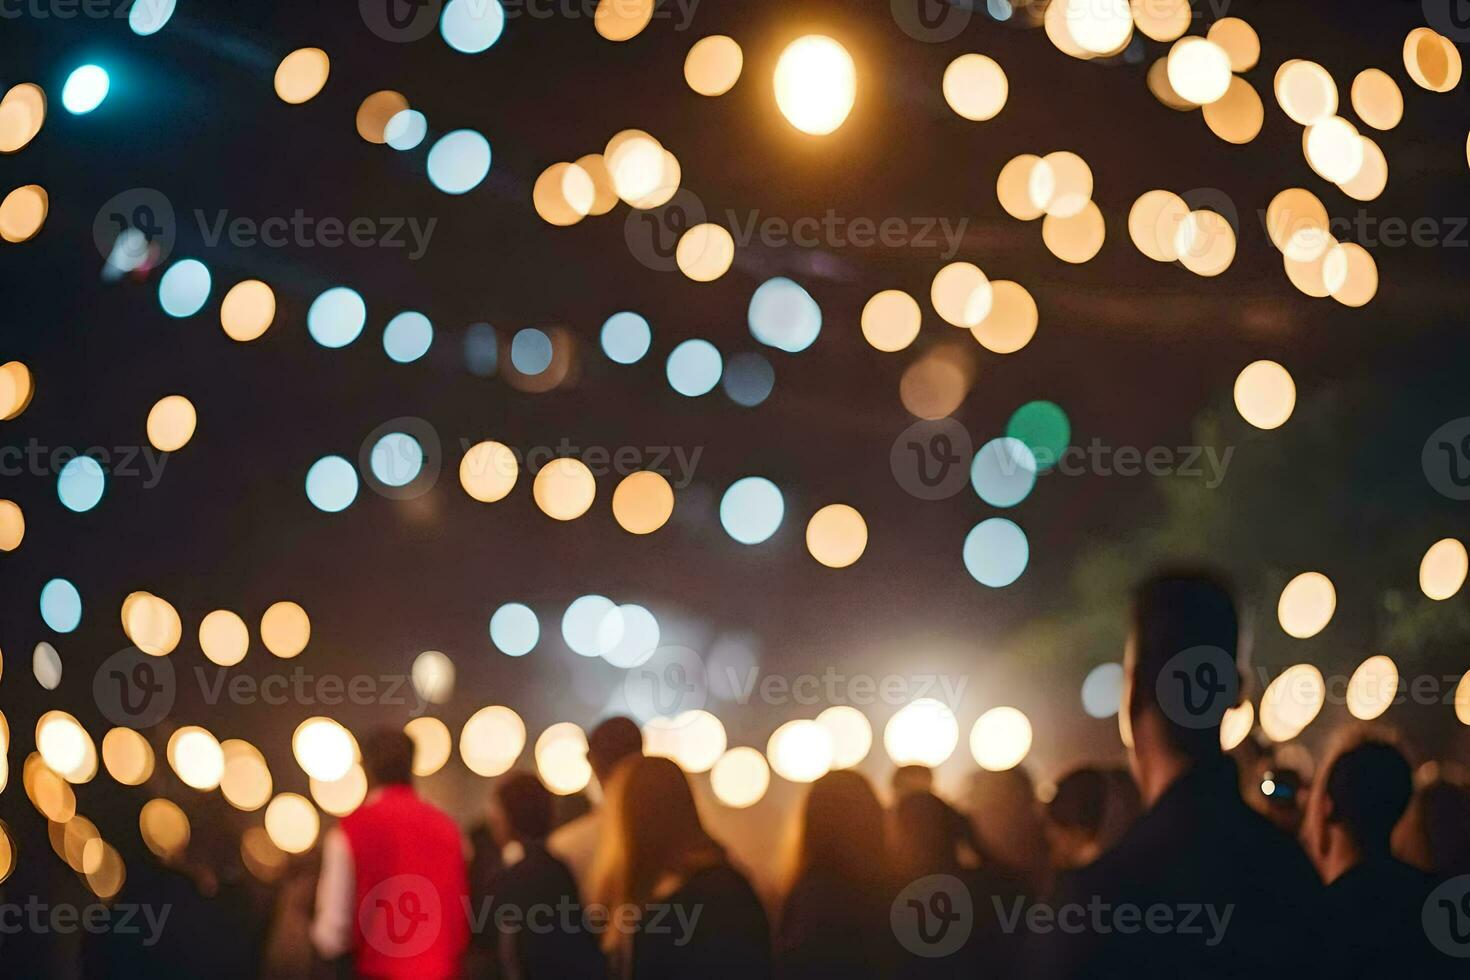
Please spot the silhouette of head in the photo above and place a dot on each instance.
(841, 829)
(1368, 787)
(611, 742)
(652, 829)
(926, 835)
(912, 778)
(1180, 663)
(387, 757)
(522, 808)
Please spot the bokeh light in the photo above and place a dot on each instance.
(1236, 724)
(975, 87)
(171, 423)
(531, 351)
(890, 320)
(695, 740)
(923, 732)
(195, 757)
(713, 65)
(396, 459)
(61, 606)
(184, 288)
(704, 252)
(341, 796)
(800, 751)
(837, 535)
(1236, 117)
(458, 161)
(292, 822)
(740, 778)
(23, 212)
(1012, 320)
(375, 112)
(1075, 239)
(164, 827)
(285, 629)
(22, 114)
(1199, 70)
(12, 525)
(407, 337)
(751, 509)
(564, 489)
(80, 484)
(783, 315)
(1443, 568)
(563, 195)
(1291, 701)
(406, 129)
(626, 337)
(331, 484)
(127, 756)
(1372, 688)
(643, 502)
(492, 740)
(514, 629)
(152, 623)
(694, 368)
(1000, 739)
(85, 89)
(961, 294)
(1265, 394)
(247, 310)
(592, 626)
(1045, 429)
(472, 26)
(1102, 690)
(623, 20)
(246, 783)
(1350, 274)
(996, 552)
(336, 317)
(432, 675)
(432, 744)
(561, 759)
(852, 735)
(489, 471)
(816, 84)
(1305, 91)
(1306, 605)
(301, 75)
(1432, 60)
(1377, 99)
(1003, 472)
(748, 379)
(324, 750)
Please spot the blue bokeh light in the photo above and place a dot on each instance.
(148, 16)
(331, 484)
(640, 637)
(749, 379)
(784, 315)
(1003, 472)
(85, 89)
(471, 26)
(752, 509)
(626, 337)
(481, 350)
(996, 552)
(530, 351)
(1102, 691)
(406, 129)
(458, 161)
(61, 605)
(514, 629)
(407, 337)
(336, 317)
(694, 368)
(397, 459)
(80, 484)
(592, 626)
(184, 288)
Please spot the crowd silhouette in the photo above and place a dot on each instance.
(1179, 865)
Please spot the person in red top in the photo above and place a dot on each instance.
(393, 889)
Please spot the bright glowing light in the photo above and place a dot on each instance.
(1076, 239)
(458, 161)
(171, 423)
(694, 368)
(492, 740)
(1239, 40)
(1003, 472)
(816, 84)
(323, 749)
(923, 733)
(704, 252)
(1305, 91)
(1162, 20)
(1377, 99)
(301, 75)
(196, 757)
(996, 552)
(22, 113)
(1001, 739)
(285, 629)
(246, 782)
(751, 510)
(1443, 568)
(643, 502)
(783, 315)
(1199, 70)
(695, 740)
(12, 525)
(61, 606)
(626, 337)
(1432, 60)
(1237, 118)
(1462, 699)
(46, 666)
(406, 129)
(592, 626)
(837, 535)
(1372, 178)
(489, 471)
(165, 827)
(1012, 320)
(85, 89)
(17, 388)
(62, 742)
(564, 489)
(961, 294)
(292, 823)
(376, 111)
(622, 20)
(800, 751)
(531, 351)
(713, 65)
(1100, 27)
(247, 310)
(1291, 701)
(331, 484)
(976, 87)
(407, 337)
(1297, 222)
(127, 756)
(396, 460)
(23, 212)
(432, 744)
(336, 317)
(638, 167)
(1350, 274)
(1014, 187)
(1153, 224)
(433, 677)
(1102, 691)
(1236, 724)
(472, 26)
(1307, 604)
(152, 623)
(1334, 148)
(741, 777)
(341, 796)
(561, 759)
(1265, 394)
(1373, 687)
(564, 194)
(852, 736)
(514, 629)
(184, 288)
(891, 320)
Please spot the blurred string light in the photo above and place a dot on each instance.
(1238, 115)
(46, 666)
(472, 26)
(592, 626)
(740, 778)
(171, 423)
(151, 623)
(852, 735)
(432, 675)
(63, 743)
(1076, 239)
(936, 384)
(1102, 690)
(1334, 149)
(1265, 394)
(1205, 241)
(996, 552)
(1291, 702)
(713, 65)
(246, 783)
(643, 502)
(531, 351)
(340, 797)
(1377, 100)
(375, 112)
(695, 740)
(783, 315)
(640, 639)
(406, 129)
(459, 161)
(1443, 569)
(1003, 472)
(23, 212)
(1154, 222)
(22, 114)
(641, 171)
(622, 20)
(12, 525)
(147, 17)
(1372, 688)
(1199, 70)
(432, 744)
(704, 253)
(195, 757)
(975, 87)
(514, 629)
(816, 84)
(261, 856)
(564, 194)
(1239, 41)
(694, 368)
(800, 751)
(492, 740)
(1162, 20)
(1236, 724)
(1012, 320)
(605, 195)
(561, 759)
(1000, 739)
(292, 822)
(751, 509)
(84, 90)
(17, 388)
(488, 471)
(247, 310)
(184, 288)
(127, 756)
(336, 317)
(1432, 60)
(1350, 274)
(749, 379)
(890, 320)
(331, 484)
(837, 535)
(323, 749)
(1305, 91)
(1306, 605)
(81, 484)
(407, 337)
(61, 606)
(164, 827)
(564, 489)
(1045, 429)
(961, 295)
(301, 75)
(396, 459)
(285, 629)
(923, 732)
(224, 638)
(1462, 699)
(626, 337)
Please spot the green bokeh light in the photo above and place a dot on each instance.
(1044, 428)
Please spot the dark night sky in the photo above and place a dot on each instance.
(1132, 349)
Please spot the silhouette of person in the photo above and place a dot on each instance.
(575, 842)
(1091, 810)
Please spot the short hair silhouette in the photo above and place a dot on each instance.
(1370, 785)
(526, 803)
(611, 742)
(1172, 612)
(1081, 800)
(387, 757)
